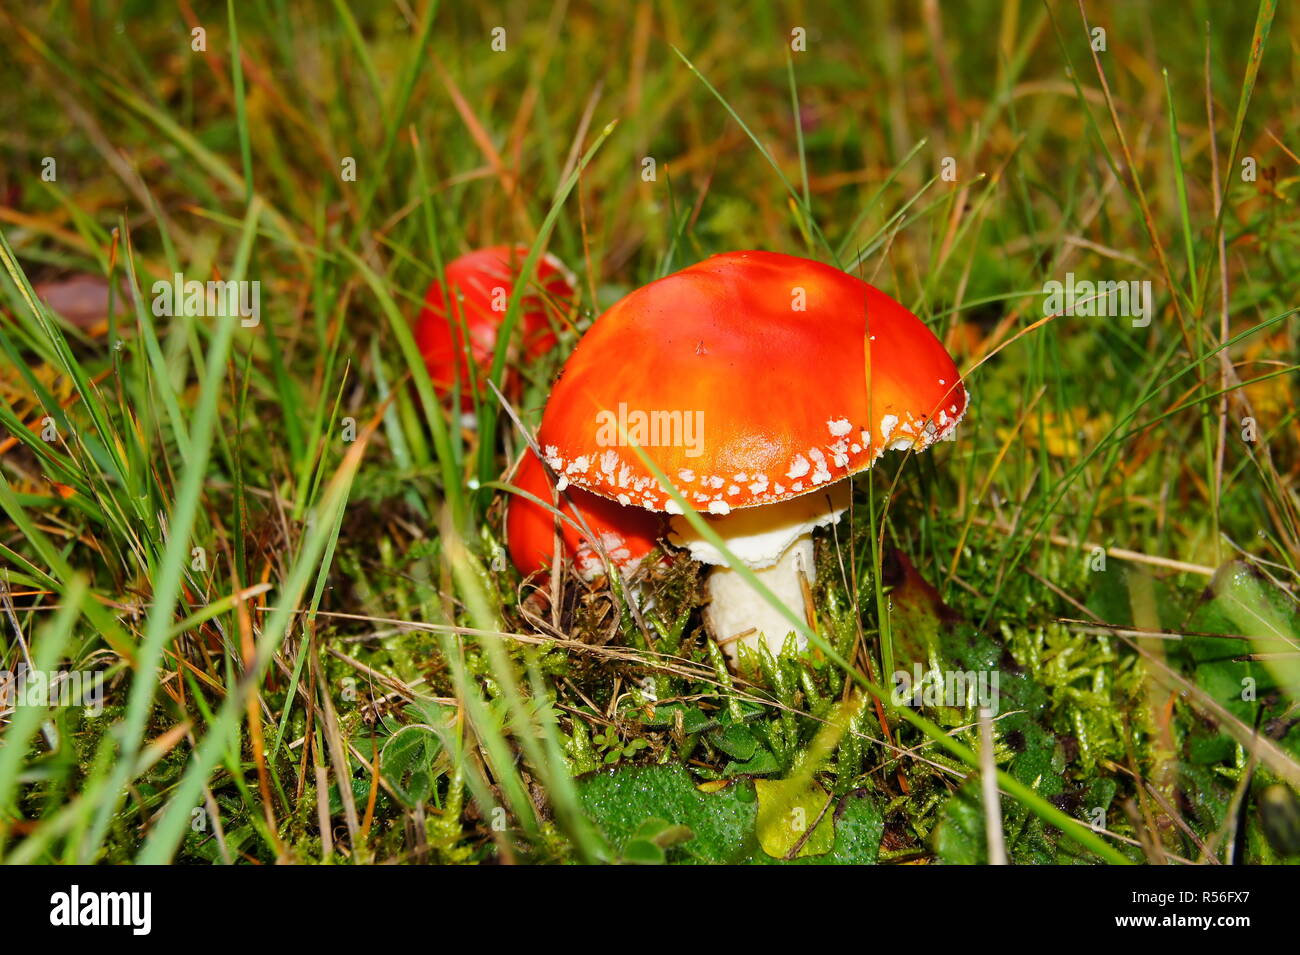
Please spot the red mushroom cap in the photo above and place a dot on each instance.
(626, 533)
(485, 281)
(748, 378)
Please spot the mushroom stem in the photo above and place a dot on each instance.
(736, 608)
(775, 542)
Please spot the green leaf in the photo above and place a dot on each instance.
(621, 802)
(959, 837)
(736, 741)
(657, 806)
(663, 833)
(762, 764)
(407, 764)
(787, 809)
(643, 852)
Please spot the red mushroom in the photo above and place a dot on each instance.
(627, 534)
(757, 383)
(479, 286)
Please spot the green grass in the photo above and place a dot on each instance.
(282, 552)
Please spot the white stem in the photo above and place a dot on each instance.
(735, 607)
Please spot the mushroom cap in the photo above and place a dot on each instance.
(476, 277)
(628, 534)
(772, 400)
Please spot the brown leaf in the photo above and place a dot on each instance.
(81, 299)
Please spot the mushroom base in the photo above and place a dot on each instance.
(736, 608)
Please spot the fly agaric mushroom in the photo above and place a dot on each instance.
(479, 286)
(757, 383)
(627, 534)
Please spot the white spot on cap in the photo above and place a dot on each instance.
(887, 424)
(686, 475)
(719, 507)
(841, 427)
(822, 474)
(799, 467)
(562, 483)
(624, 500)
